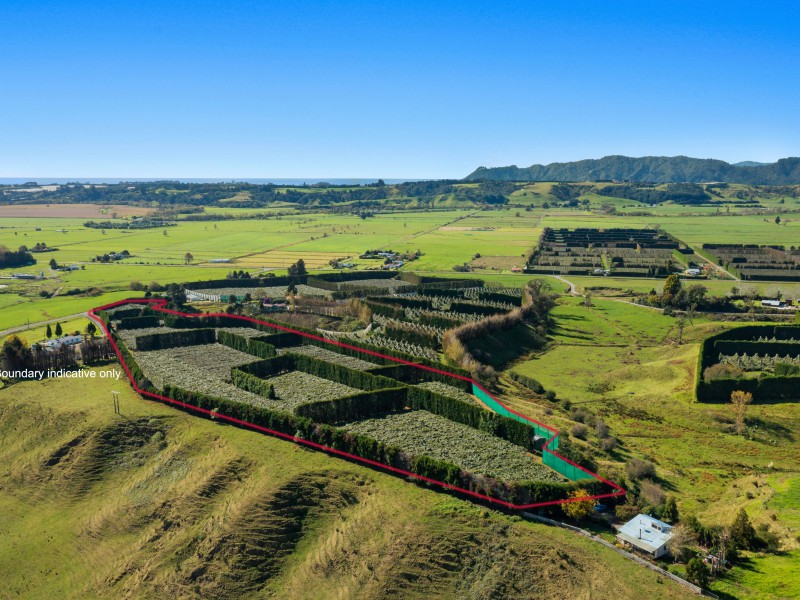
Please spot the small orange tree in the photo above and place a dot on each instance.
(580, 505)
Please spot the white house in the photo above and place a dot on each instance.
(646, 534)
(693, 272)
(67, 340)
(773, 303)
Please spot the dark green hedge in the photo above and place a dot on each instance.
(474, 308)
(737, 341)
(362, 380)
(528, 382)
(126, 313)
(764, 388)
(269, 366)
(385, 310)
(354, 275)
(232, 340)
(281, 339)
(139, 322)
(387, 352)
(174, 339)
(136, 372)
(355, 407)
(402, 301)
(251, 383)
(216, 284)
(261, 349)
(471, 415)
(412, 335)
(412, 375)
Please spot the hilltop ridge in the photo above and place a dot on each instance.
(656, 169)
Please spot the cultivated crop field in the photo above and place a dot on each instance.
(330, 356)
(129, 335)
(203, 369)
(278, 259)
(447, 390)
(421, 432)
(622, 252)
(758, 262)
(268, 291)
(296, 388)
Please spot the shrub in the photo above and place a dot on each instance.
(577, 414)
(579, 431)
(652, 493)
(786, 370)
(528, 382)
(722, 371)
(768, 539)
(608, 444)
(697, 572)
(639, 469)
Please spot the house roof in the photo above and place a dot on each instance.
(645, 532)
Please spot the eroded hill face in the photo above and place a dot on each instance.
(159, 503)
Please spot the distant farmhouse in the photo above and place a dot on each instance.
(67, 340)
(646, 534)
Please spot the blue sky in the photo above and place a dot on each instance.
(396, 90)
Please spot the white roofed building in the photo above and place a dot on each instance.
(646, 534)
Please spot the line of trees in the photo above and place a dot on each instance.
(15, 258)
(537, 302)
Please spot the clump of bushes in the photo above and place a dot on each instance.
(640, 469)
(722, 371)
(537, 301)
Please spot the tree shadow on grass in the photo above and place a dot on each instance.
(771, 427)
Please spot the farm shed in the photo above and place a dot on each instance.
(646, 534)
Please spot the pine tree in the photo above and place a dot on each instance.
(672, 285)
(743, 535)
(669, 512)
(59, 331)
(48, 332)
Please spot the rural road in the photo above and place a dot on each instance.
(716, 266)
(572, 289)
(19, 328)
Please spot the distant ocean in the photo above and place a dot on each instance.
(276, 180)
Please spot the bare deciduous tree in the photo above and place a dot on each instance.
(740, 400)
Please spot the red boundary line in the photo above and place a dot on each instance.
(159, 305)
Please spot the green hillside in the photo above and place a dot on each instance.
(159, 503)
(662, 169)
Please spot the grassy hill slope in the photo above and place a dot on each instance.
(158, 503)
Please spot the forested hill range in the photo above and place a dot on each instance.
(653, 169)
(166, 201)
(166, 194)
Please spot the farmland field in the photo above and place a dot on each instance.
(296, 388)
(447, 390)
(331, 357)
(421, 432)
(205, 369)
(70, 211)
